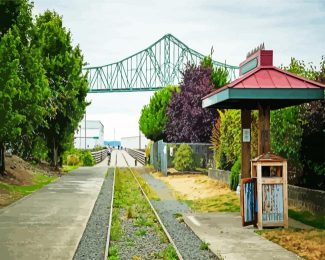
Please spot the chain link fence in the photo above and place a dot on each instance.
(162, 156)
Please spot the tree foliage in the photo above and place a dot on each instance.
(42, 89)
(297, 132)
(188, 121)
(63, 65)
(153, 117)
(24, 88)
(184, 158)
(228, 147)
(9, 11)
(219, 75)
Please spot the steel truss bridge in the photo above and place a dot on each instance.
(155, 67)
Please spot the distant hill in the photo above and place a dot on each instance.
(112, 143)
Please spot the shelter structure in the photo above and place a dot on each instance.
(261, 86)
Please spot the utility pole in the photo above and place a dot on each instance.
(139, 139)
(80, 138)
(85, 130)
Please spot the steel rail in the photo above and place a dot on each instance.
(111, 214)
(154, 211)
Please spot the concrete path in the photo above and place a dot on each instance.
(117, 159)
(226, 236)
(49, 223)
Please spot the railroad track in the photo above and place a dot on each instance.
(111, 213)
(147, 200)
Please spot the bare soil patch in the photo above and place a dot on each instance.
(18, 172)
(22, 178)
(194, 186)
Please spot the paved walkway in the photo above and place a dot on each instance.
(49, 223)
(117, 159)
(223, 231)
(226, 236)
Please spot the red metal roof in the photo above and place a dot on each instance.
(269, 77)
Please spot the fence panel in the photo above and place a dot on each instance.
(162, 155)
(99, 155)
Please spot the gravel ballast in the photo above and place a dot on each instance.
(185, 239)
(93, 242)
(135, 231)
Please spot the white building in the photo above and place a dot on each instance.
(89, 134)
(134, 142)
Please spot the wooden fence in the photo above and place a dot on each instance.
(137, 155)
(99, 155)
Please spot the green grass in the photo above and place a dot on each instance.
(306, 217)
(168, 253)
(39, 181)
(113, 253)
(204, 246)
(18, 191)
(141, 232)
(116, 229)
(179, 217)
(130, 205)
(221, 203)
(151, 194)
(69, 168)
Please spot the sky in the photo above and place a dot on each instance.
(110, 30)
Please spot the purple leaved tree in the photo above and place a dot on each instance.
(187, 120)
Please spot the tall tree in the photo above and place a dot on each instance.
(63, 64)
(153, 117)
(188, 121)
(9, 11)
(23, 86)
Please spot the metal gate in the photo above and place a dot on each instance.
(158, 156)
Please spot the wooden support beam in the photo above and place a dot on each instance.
(263, 129)
(246, 120)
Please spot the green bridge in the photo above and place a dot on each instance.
(150, 69)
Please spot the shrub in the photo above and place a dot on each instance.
(234, 175)
(183, 160)
(148, 151)
(88, 159)
(73, 159)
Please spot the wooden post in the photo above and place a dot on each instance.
(263, 129)
(285, 195)
(259, 196)
(246, 120)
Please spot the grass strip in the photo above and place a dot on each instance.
(16, 192)
(130, 204)
(221, 203)
(151, 194)
(306, 217)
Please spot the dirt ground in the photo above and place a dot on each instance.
(21, 173)
(18, 172)
(192, 186)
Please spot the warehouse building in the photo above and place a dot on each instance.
(90, 133)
